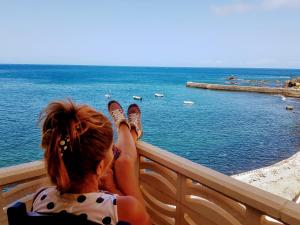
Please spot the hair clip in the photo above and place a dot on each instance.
(64, 145)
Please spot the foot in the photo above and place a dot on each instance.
(134, 119)
(117, 113)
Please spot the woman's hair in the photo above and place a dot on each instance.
(75, 139)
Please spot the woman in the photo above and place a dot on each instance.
(78, 144)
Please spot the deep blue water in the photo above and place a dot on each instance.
(227, 131)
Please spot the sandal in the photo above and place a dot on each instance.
(134, 119)
(117, 113)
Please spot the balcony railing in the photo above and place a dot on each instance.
(177, 192)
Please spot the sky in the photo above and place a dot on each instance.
(190, 33)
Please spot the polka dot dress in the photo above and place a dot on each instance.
(98, 207)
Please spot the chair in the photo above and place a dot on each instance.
(17, 215)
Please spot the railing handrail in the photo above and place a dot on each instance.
(273, 205)
(21, 172)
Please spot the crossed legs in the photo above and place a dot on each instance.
(126, 165)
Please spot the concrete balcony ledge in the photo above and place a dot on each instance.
(176, 190)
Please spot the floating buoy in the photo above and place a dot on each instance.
(158, 95)
(137, 97)
(188, 102)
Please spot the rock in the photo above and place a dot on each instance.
(231, 77)
(292, 83)
(289, 107)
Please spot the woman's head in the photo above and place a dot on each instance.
(76, 138)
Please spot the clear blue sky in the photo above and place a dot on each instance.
(257, 33)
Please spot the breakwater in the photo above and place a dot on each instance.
(289, 92)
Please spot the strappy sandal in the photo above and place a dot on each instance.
(117, 113)
(134, 119)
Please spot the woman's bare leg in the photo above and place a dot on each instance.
(108, 180)
(126, 164)
(134, 135)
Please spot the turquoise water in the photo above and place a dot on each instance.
(227, 131)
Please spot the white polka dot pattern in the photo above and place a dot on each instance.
(99, 207)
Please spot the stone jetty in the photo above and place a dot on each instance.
(289, 92)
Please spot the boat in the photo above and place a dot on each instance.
(158, 95)
(188, 102)
(176, 191)
(137, 97)
(108, 96)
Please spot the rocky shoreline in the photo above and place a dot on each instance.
(282, 178)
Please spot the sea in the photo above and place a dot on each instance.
(230, 132)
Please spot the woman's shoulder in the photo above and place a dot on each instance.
(131, 210)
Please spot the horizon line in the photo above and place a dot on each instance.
(152, 66)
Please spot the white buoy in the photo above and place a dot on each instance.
(137, 97)
(158, 95)
(188, 102)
